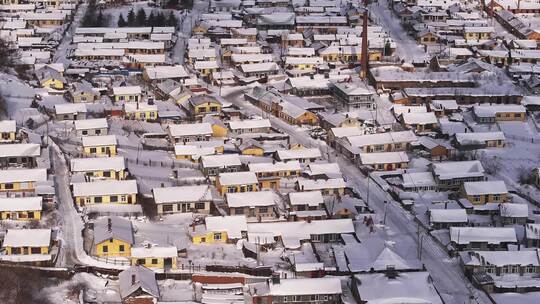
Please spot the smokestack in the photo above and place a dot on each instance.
(109, 224)
(133, 279)
(364, 58)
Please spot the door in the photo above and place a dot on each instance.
(167, 263)
(184, 209)
(130, 200)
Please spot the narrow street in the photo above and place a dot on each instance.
(447, 273)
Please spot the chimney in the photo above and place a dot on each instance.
(133, 279)
(391, 272)
(109, 224)
(275, 279)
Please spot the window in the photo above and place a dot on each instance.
(121, 248)
(30, 215)
(107, 173)
(200, 206)
(98, 199)
(263, 209)
(217, 236)
(105, 249)
(35, 250)
(239, 211)
(8, 186)
(84, 132)
(114, 198)
(141, 261)
(154, 261)
(167, 208)
(496, 197)
(93, 150)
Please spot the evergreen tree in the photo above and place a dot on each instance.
(100, 20)
(140, 19)
(131, 18)
(121, 21)
(160, 19)
(172, 20)
(151, 21)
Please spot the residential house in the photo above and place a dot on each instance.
(256, 206)
(238, 127)
(21, 180)
(482, 238)
(82, 92)
(353, 95)
(112, 237)
(318, 290)
(483, 192)
(345, 207)
(307, 204)
(418, 181)
(301, 155)
(27, 246)
(452, 175)
(141, 111)
(202, 105)
(70, 111)
(237, 182)
(105, 192)
(446, 218)
(183, 133)
(183, 199)
(138, 285)
(127, 94)
(160, 257)
(269, 175)
(212, 165)
(420, 122)
(8, 131)
(480, 140)
(191, 152)
(220, 229)
(500, 263)
(494, 113)
(332, 186)
(21, 208)
(532, 235)
(514, 214)
(438, 150)
(385, 161)
(99, 168)
(99, 145)
(19, 155)
(91, 127)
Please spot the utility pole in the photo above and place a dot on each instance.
(364, 57)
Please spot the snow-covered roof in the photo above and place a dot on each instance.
(237, 178)
(382, 138)
(106, 187)
(458, 169)
(145, 280)
(295, 154)
(419, 118)
(304, 286)
(154, 252)
(15, 150)
(492, 110)
(383, 158)
(503, 258)
(134, 107)
(234, 225)
(195, 152)
(190, 129)
(198, 193)
(274, 167)
(103, 140)
(418, 179)
(20, 203)
(249, 124)
(113, 227)
(115, 163)
(478, 137)
(292, 233)
(221, 160)
(514, 210)
(485, 187)
(251, 199)
(310, 198)
(164, 72)
(127, 90)
(447, 215)
(70, 108)
(491, 235)
(407, 287)
(23, 175)
(320, 184)
(27, 238)
(93, 123)
(532, 231)
(8, 126)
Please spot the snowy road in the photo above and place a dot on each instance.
(447, 273)
(407, 48)
(186, 26)
(61, 51)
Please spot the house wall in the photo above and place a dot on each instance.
(90, 132)
(184, 207)
(106, 199)
(21, 215)
(100, 150)
(236, 188)
(483, 199)
(53, 84)
(253, 151)
(263, 212)
(26, 250)
(153, 262)
(127, 97)
(108, 174)
(17, 187)
(7, 136)
(112, 247)
(210, 238)
(141, 115)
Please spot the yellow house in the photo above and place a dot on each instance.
(330, 186)
(237, 182)
(82, 92)
(27, 242)
(202, 105)
(100, 168)
(140, 111)
(127, 94)
(206, 68)
(303, 63)
(99, 145)
(21, 180)
(219, 229)
(53, 83)
(21, 208)
(50, 78)
(192, 153)
(251, 147)
(385, 161)
(8, 130)
(105, 192)
(478, 32)
(155, 257)
(270, 174)
(113, 237)
(482, 192)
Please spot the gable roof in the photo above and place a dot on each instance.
(145, 280)
(113, 227)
